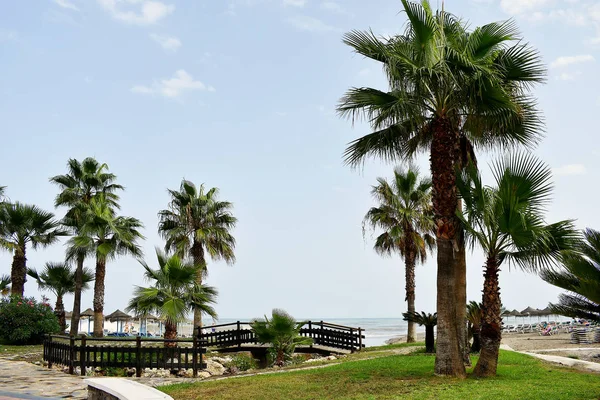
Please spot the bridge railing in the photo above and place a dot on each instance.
(322, 333)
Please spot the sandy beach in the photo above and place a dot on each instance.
(558, 345)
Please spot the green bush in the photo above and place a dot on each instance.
(25, 321)
(242, 362)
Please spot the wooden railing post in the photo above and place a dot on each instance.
(138, 357)
(195, 356)
(359, 339)
(71, 354)
(321, 333)
(48, 350)
(82, 355)
(239, 335)
(310, 333)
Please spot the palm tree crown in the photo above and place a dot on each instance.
(173, 294)
(21, 225)
(59, 278)
(580, 276)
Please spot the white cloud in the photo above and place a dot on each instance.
(565, 61)
(138, 12)
(310, 24)
(8, 36)
(174, 87)
(169, 43)
(566, 76)
(364, 72)
(516, 7)
(294, 3)
(335, 8)
(66, 4)
(571, 169)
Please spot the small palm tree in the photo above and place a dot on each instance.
(173, 293)
(84, 181)
(580, 276)
(427, 320)
(507, 222)
(405, 215)
(59, 278)
(20, 225)
(474, 316)
(105, 236)
(196, 224)
(282, 332)
(4, 285)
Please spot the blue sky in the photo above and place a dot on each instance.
(241, 95)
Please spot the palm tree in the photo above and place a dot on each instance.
(507, 222)
(282, 332)
(429, 321)
(20, 225)
(404, 214)
(173, 293)
(59, 278)
(105, 236)
(4, 285)
(580, 276)
(450, 90)
(197, 223)
(474, 316)
(83, 182)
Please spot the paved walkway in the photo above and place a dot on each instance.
(570, 362)
(31, 381)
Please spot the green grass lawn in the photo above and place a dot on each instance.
(401, 377)
(11, 350)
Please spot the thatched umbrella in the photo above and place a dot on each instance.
(515, 313)
(117, 316)
(144, 324)
(89, 314)
(528, 312)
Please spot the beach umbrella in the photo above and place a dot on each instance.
(89, 313)
(118, 316)
(528, 312)
(515, 313)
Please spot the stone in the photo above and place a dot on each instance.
(222, 360)
(214, 368)
(203, 374)
(332, 358)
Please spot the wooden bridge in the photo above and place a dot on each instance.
(327, 338)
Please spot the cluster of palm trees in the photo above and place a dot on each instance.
(452, 91)
(194, 225)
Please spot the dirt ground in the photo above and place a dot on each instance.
(559, 344)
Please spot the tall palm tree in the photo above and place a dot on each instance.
(4, 285)
(59, 278)
(580, 276)
(195, 224)
(405, 216)
(21, 225)
(427, 320)
(173, 293)
(105, 236)
(449, 88)
(83, 182)
(507, 222)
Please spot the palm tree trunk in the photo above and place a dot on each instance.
(444, 157)
(59, 310)
(409, 267)
(18, 272)
(491, 324)
(77, 296)
(199, 262)
(429, 339)
(461, 298)
(170, 333)
(99, 296)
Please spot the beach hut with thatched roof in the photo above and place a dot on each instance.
(119, 316)
(89, 315)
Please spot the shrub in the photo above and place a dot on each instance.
(25, 321)
(242, 362)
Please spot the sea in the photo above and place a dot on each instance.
(376, 330)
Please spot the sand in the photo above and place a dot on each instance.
(558, 345)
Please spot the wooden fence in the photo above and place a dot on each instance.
(138, 353)
(322, 333)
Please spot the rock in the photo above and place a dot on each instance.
(98, 369)
(222, 360)
(214, 368)
(203, 374)
(37, 363)
(130, 371)
(311, 360)
(331, 358)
